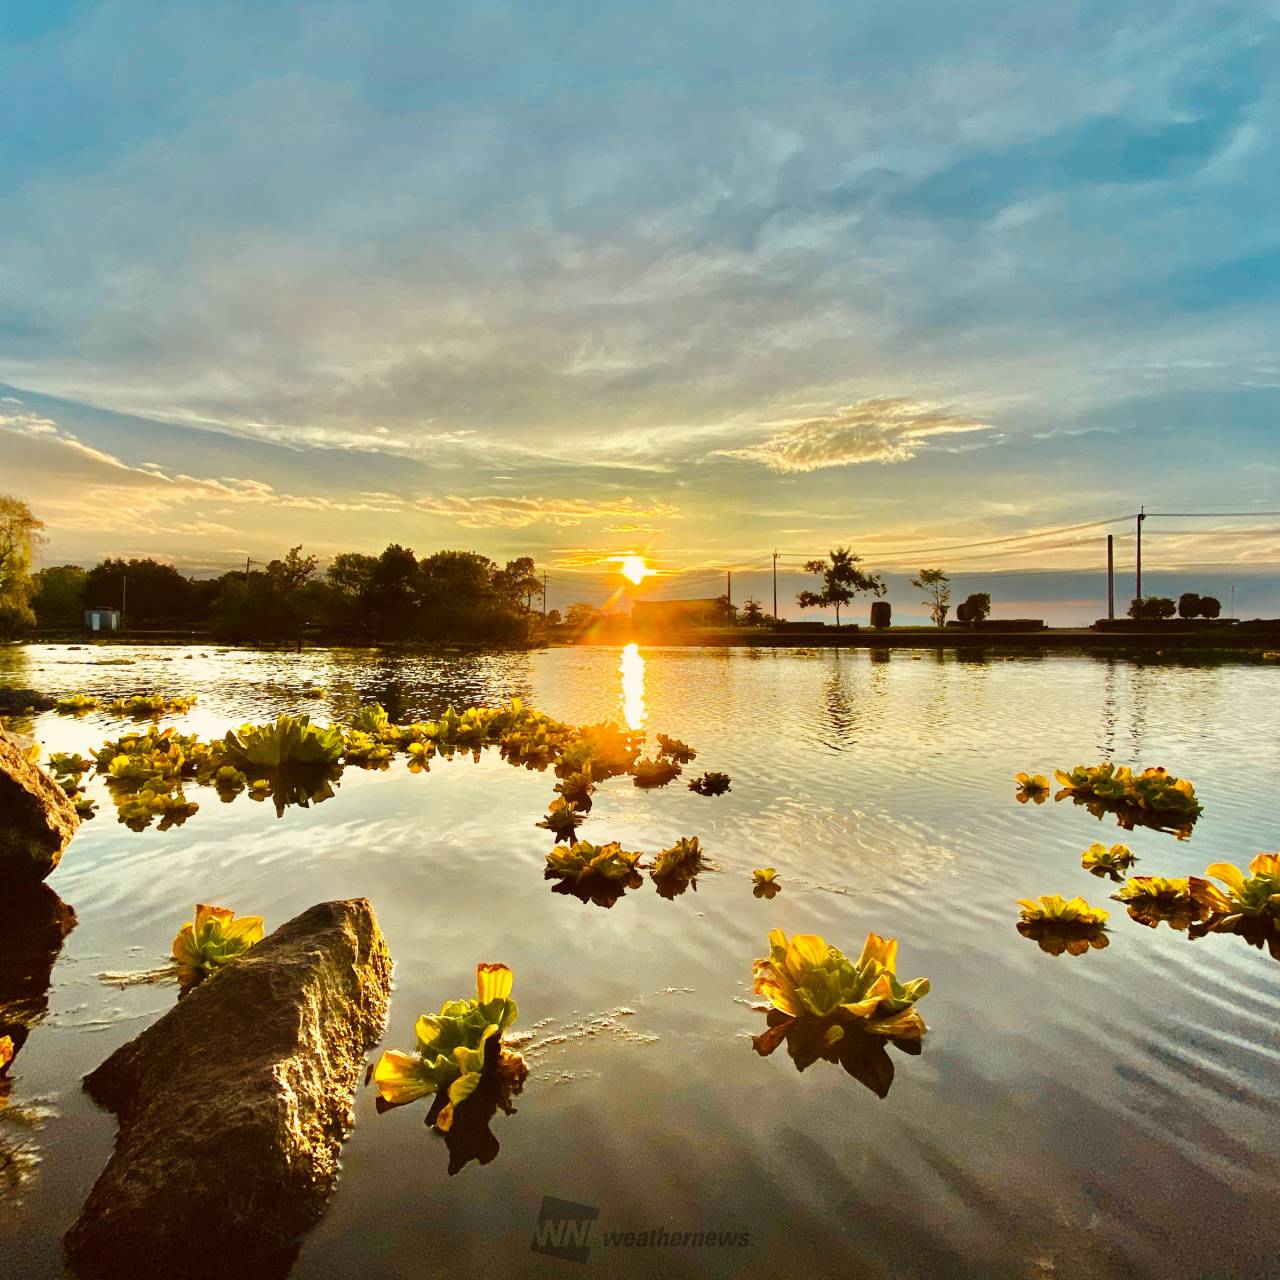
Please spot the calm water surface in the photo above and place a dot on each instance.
(1113, 1114)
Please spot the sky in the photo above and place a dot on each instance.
(699, 280)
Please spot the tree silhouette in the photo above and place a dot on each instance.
(842, 579)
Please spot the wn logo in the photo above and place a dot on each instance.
(563, 1229)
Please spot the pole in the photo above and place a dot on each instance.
(124, 599)
(1141, 518)
(544, 595)
(247, 563)
(728, 587)
(775, 584)
(1233, 599)
(1111, 576)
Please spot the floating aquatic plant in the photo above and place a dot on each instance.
(1255, 895)
(1032, 786)
(710, 784)
(805, 977)
(75, 704)
(1159, 890)
(150, 704)
(456, 1048)
(65, 764)
(577, 787)
(562, 819)
(766, 882)
(1154, 797)
(213, 939)
(140, 808)
(364, 748)
(684, 858)
(1060, 924)
(585, 861)
(674, 749)
(289, 740)
(372, 718)
(1107, 862)
(654, 773)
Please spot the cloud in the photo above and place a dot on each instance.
(515, 513)
(881, 430)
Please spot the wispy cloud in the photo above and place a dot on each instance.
(515, 513)
(886, 429)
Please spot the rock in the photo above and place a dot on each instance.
(34, 921)
(36, 819)
(234, 1105)
(15, 702)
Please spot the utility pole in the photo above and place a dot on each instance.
(124, 599)
(247, 563)
(1111, 576)
(1233, 599)
(728, 588)
(544, 595)
(1141, 518)
(775, 583)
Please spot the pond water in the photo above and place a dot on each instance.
(1092, 1115)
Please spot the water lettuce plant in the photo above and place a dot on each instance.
(1107, 862)
(1161, 890)
(214, 938)
(765, 882)
(710, 784)
(806, 977)
(456, 1047)
(654, 773)
(674, 749)
(1032, 786)
(577, 787)
(585, 861)
(289, 740)
(1255, 895)
(1058, 924)
(75, 704)
(150, 704)
(371, 718)
(67, 764)
(684, 859)
(562, 819)
(1154, 797)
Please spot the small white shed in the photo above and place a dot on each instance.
(102, 619)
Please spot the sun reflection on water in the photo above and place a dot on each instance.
(632, 669)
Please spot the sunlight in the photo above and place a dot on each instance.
(634, 567)
(632, 669)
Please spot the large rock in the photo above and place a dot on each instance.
(16, 702)
(233, 1106)
(36, 819)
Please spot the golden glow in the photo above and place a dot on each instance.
(632, 669)
(634, 567)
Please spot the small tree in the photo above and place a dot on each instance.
(1210, 606)
(974, 609)
(842, 579)
(1152, 609)
(937, 588)
(752, 613)
(1188, 605)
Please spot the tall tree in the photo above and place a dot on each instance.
(937, 588)
(20, 535)
(59, 597)
(148, 591)
(842, 579)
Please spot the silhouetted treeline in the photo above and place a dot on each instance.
(451, 595)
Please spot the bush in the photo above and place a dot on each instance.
(974, 609)
(881, 614)
(1210, 606)
(1152, 609)
(1188, 605)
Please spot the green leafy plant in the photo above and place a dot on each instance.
(805, 977)
(1154, 797)
(577, 787)
(1060, 924)
(675, 750)
(1032, 786)
(562, 819)
(371, 718)
(150, 704)
(75, 704)
(684, 859)
(654, 773)
(289, 740)
(765, 882)
(710, 784)
(585, 861)
(1255, 895)
(456, 1047)
(213, 939)
(1107, 862)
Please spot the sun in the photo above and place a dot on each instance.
(634, 567)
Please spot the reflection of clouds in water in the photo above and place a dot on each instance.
(632, 669)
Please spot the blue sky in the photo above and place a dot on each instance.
(698, 279)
